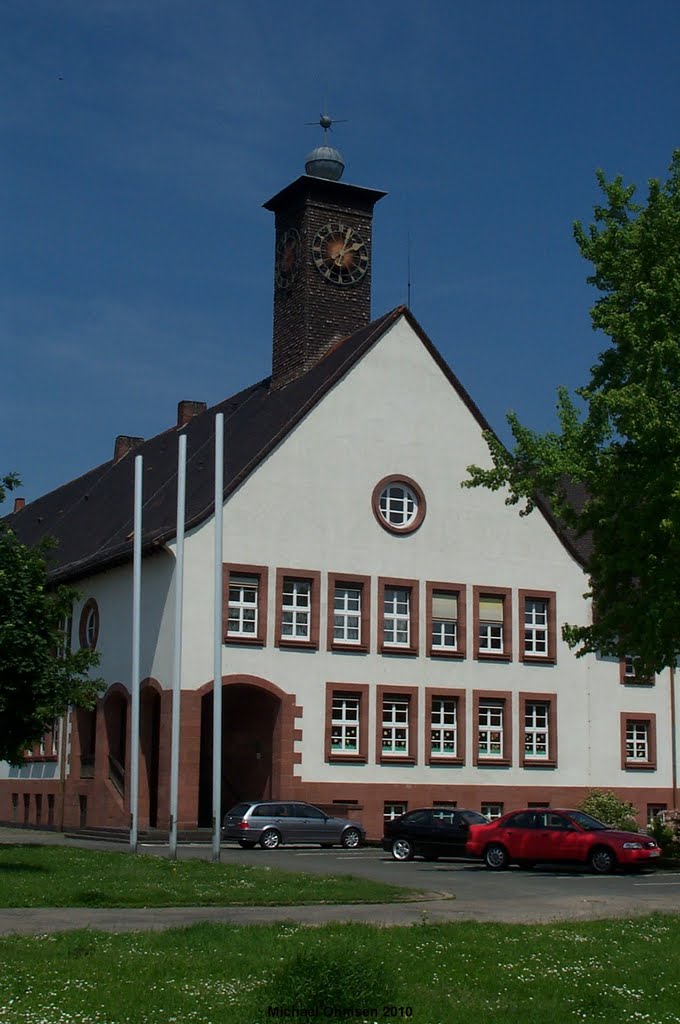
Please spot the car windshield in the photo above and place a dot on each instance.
(585, 821)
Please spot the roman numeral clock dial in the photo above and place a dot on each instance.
(340, 254)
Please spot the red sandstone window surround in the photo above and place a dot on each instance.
(297, 608)
(397, 725)
(445, 619)
(491, 712)
(492, 623)
(346, 731)
(398, 504)
(445, 710)
(398, 616)
(538, 730)
(88, 626)
(349, 612)
(638, 741)
(537, 626)
(628, 676)
(244, 614)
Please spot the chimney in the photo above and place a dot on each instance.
(124, 444)
(186, 411)
(19, 504)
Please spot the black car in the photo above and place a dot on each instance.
(431, 832)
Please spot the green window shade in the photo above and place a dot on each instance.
(444, 606)
(491, 609)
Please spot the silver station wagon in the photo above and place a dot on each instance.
(273, 822)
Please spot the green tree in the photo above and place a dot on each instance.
(606, 806)
(621, 444)
(39, 676)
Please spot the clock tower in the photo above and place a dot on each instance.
(322, 269)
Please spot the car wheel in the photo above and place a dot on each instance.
(270, 839)
(246, 844)
(602, 861)
(496, 857)
(402, 849)
(351, 838)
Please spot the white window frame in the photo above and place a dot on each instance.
(296, 609)
(443, 626)
(491, 637)
(345, 723)
(398, 505)
(396, 620)
(239, 606)
(490, 717)
(537, 730)
(536, 622)
(346, 618)
(395, 727)
(637, 741)
(444, 727)
(394, 809)
(492, 811)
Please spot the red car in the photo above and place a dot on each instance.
(542, 836)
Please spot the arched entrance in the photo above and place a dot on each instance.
(115, 718)
(150, 733)
(252, 726)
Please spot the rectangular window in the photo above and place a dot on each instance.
(493, 623)
(627, 673)
(346, 722)
(297, 610)
(538, 729)
(638, 741)
(396, 724)
(445, 711)
(493, 725)
(443, 727)
(349, 619)
(491, 811)
(446, 620)
(654, 811)
(537, 616)
(394, 810)
(245, 604)
(398, 602)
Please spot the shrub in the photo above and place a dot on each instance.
(607, 807)
(665, 829)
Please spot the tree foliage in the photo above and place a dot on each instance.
(621, 444)
(39, 676)
(606, 807)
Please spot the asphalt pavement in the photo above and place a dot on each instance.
(452, 891)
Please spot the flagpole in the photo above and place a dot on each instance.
(136, 633)
(218, 639)
(177, 659)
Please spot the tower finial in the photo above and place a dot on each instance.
(325, 161)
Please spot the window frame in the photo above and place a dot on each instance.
(89, 612)
(409, 693)
(259, 638)
(505, 697)
(633, 680)
(406, 481)
(460, 591)
(393, 583)
(360, 691)
(550, 597)
(433, 693)
(492, 803)
(550, 699)
(362, 583)
(313, 577)
(506, 594)
(634, 765)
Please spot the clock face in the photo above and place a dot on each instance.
(340, 254)
(287, 258)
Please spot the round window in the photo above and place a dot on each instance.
(398, 504)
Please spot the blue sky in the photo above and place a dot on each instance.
(142, 136)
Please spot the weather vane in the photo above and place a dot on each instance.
(326, 121)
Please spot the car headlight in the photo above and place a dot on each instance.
(632, 846)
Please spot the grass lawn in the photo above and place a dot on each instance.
(624, 972)
(51, 876)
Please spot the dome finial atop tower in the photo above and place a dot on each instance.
(325, 161)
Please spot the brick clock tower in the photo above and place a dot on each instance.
(322, 268)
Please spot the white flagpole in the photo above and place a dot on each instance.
(136, 632)
(218, 638)
(177, 660)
